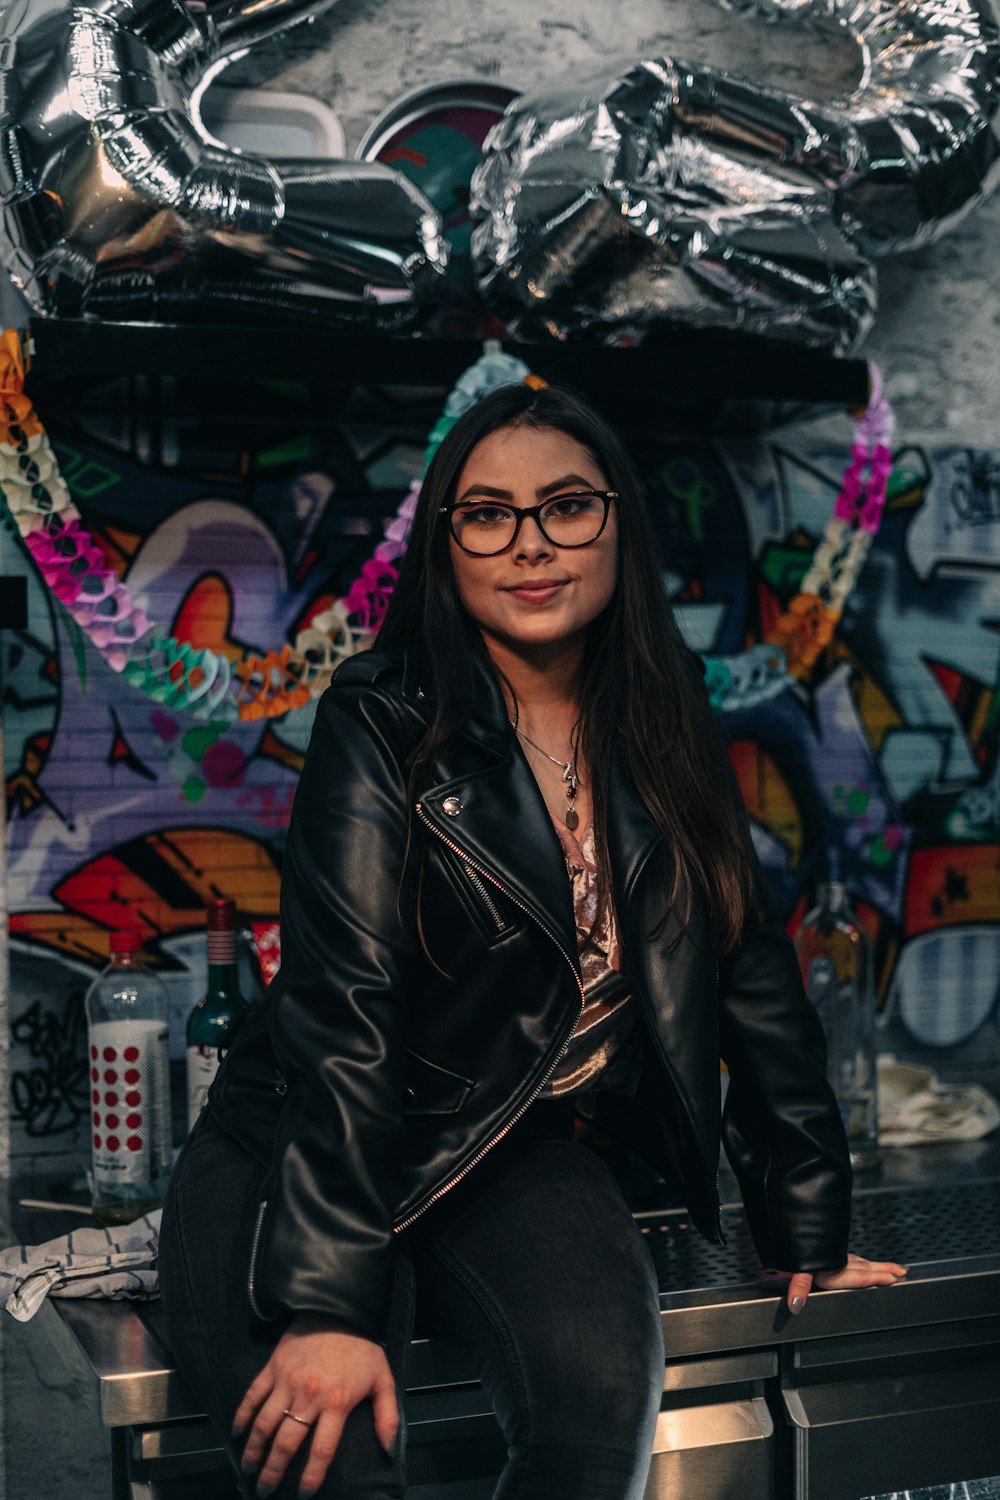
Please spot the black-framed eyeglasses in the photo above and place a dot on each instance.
(486, 527)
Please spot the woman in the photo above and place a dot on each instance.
(518, 889)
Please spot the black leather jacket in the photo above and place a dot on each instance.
(371, 1080)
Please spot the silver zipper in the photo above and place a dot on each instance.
(488, 901)
(251, 1274)
(471, 865)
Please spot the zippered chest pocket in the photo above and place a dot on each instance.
(432, 1089)
(494, 915)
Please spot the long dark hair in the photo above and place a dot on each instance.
(641, 682)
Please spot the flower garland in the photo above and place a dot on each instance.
(790, 649)
(808, 624)
(174, 673)
(204, 683)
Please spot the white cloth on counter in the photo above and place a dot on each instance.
(916, 1108)
(113, 1263)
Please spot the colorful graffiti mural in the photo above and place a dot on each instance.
(116, 805)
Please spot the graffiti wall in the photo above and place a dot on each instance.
(233, 527)
(231, 533)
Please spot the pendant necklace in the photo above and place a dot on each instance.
(570, 817)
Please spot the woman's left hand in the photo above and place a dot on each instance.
(857, 1272)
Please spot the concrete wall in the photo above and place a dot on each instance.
(937, 338)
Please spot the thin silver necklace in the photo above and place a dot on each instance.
(570, 817)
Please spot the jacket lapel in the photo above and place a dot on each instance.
(502, 823)
(632, 836)
(496, 814)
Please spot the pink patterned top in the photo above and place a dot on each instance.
(605, 1048)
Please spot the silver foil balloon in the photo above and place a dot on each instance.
(115, 205)
(662, 192)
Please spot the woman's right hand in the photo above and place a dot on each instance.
(321, 1372)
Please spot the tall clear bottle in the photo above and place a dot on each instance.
(835, 958)
(215, 1014)
(128, 1046)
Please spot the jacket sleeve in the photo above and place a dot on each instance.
(781, 1125)
(336, 1011)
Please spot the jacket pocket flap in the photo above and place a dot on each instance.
(432, 1089)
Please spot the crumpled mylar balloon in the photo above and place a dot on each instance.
(660, 191)
(115, 205)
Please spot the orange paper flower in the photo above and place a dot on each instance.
(16, 410)
(269, 685)
(803, 631)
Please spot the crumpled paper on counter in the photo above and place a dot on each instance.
(915, 1108)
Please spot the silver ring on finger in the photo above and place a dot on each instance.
(303, 1420)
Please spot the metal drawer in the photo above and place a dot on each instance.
(723, 1451)
(883, 1435)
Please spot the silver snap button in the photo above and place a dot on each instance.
(452, 806)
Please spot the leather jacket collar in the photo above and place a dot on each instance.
(520, 849)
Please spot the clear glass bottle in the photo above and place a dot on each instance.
(213, 1017)
(835, 958)
(129, 1055)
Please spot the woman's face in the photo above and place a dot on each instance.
(522, 465)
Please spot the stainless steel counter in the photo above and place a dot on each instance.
(871, 1392)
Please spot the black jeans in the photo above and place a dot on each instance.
(533, 1263)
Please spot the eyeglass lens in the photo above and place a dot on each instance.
(567, 521)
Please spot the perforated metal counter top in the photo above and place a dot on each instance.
(909, 1225)
(720, 1298)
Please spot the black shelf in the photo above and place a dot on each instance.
(686, 368)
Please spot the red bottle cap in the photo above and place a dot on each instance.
(220, 916)
(129, 941)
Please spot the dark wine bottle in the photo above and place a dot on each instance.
(212, 1019)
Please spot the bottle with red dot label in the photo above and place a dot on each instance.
(130, 1099)
(128, 1056)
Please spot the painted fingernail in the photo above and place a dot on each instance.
(248, 1465)
(265, 1489)
(797, 1304)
